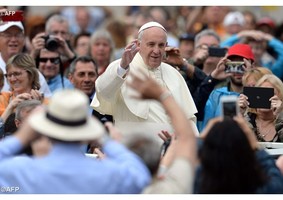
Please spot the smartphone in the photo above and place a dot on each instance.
(229, 106)
(217, 51)
(235, 67)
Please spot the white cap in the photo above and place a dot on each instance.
(151, 24)
(234, 18)
(5, 25)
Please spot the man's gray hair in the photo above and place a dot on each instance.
(206, 32)
(26, 104)
(55, 18)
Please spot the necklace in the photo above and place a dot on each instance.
(264, 131)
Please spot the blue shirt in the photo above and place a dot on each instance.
(212, 107)
(67, 170)
(56, 83)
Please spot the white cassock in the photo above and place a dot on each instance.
(113, 97)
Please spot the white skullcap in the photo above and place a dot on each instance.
(234, 18)
(151, 24)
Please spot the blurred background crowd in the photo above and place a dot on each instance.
(67, 47)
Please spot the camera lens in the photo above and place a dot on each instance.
(51, 44)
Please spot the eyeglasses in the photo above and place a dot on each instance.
(15, 74)
(55, 60)
(8, 35)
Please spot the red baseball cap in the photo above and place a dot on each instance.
(243, 50)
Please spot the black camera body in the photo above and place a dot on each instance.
(234, 67)
(51, 43)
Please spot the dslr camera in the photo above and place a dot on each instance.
(234, 67)
(51, 43)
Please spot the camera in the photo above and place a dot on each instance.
(234, 67)
(51, 43)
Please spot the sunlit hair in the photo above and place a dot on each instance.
(27, 63)
(273, 80)
(255, 73)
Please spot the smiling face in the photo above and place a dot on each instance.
(49, 63)
(11, 42)
(84, 77)
(18, 80)
(152, 46)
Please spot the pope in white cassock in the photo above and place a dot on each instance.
(114, 97)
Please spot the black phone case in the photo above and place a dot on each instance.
(217, 51)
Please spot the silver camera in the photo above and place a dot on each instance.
(234, 67)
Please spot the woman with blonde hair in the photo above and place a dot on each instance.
(249, 79)
(267, 124)
(251, 76)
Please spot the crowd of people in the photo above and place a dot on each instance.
(143, 98)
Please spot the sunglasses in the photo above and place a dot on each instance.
(55, 60)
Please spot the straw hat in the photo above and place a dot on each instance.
(66, 118)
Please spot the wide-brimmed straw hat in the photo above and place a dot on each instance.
(66, 118)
